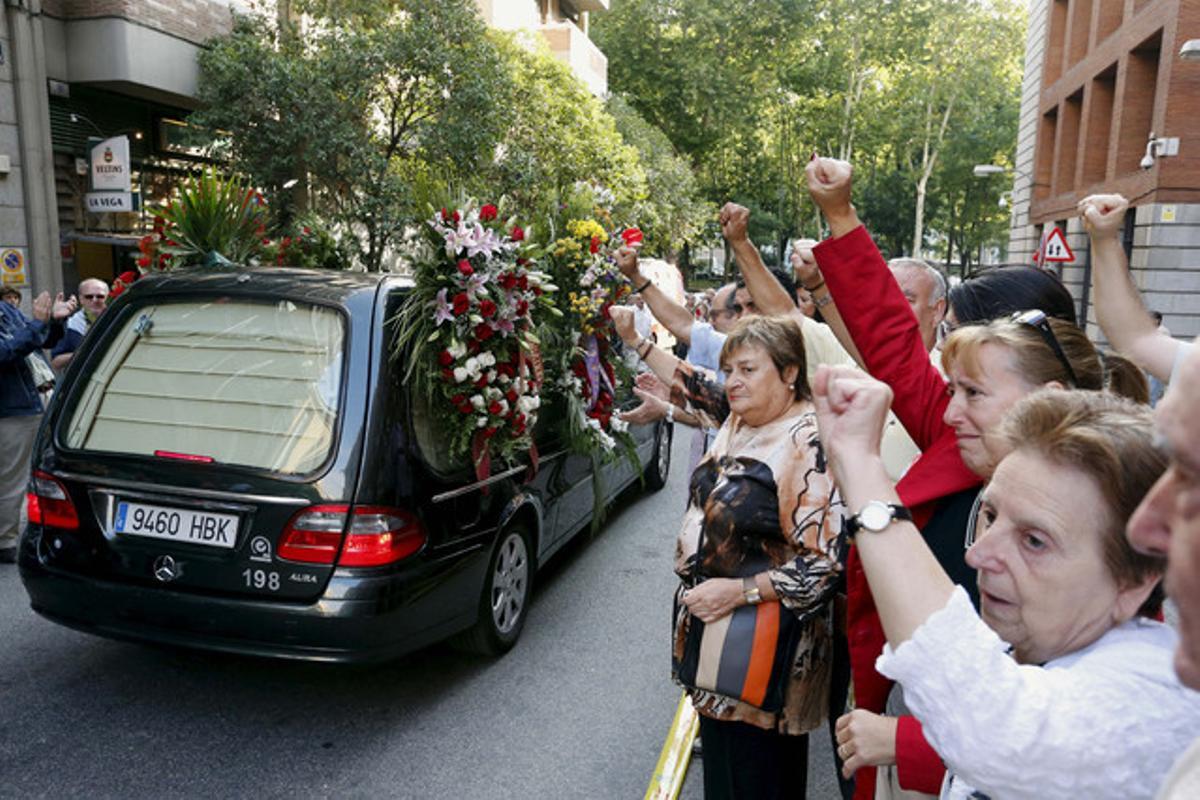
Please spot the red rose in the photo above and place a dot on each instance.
(143, 261)
(460, 304)
(508, 281)
(631, 236)
(511, 396)
(522, 283)
(464, 267)
(518, 234)
(459, 399)
(494, 408)
(594, 247)
(488, 213)
(487, 308)
(522, 308)
(472, 346)
(483, 331)
(506, 369)
(482, 382)
(445, 359)
(489, 432)
(448, 375)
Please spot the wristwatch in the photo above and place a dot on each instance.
(875, 516)
(670, 412)
(750, 591)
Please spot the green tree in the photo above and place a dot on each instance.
(557, 135)
(672, 212)
(355, 103)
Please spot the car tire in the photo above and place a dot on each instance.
(659, 467)
(504, 601)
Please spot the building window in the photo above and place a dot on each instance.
(1137, 103)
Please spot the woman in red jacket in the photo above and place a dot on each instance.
(949, 420)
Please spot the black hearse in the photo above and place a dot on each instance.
(233, 462)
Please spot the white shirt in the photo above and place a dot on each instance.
(1184, 781)
(1106, 721)
(704, 348)
(643, 320)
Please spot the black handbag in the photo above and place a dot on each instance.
(746, 655)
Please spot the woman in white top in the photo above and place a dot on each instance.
(1057, 687)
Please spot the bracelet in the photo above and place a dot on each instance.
(638, 349)
(811, 289)
(642, 288)
(670, 412)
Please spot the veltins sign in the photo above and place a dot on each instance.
(110, 165)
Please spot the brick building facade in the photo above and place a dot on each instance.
(1101, 77)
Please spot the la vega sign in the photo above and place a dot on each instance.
(104, 202)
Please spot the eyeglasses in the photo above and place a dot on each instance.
(94, 296)
(1037, 320)
(733, 310)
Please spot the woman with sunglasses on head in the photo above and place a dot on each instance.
(1059, 686)
(952, 419)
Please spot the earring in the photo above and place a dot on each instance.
(791, 387)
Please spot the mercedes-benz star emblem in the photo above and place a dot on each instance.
(166, 570)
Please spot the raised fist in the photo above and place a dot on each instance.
(627, 262)
(804, 263)
(735, 222)
(622, 319)
(829, 185)
(1103, 214)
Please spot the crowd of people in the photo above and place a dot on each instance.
(34, 349)
(945, 498)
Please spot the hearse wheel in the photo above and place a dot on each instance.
(504, 602)
(660, 460)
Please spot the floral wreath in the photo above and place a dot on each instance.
(589, 370)
(469, 331)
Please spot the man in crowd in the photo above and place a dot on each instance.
(703, 339)
(1167, 523)
(20, 403)
(11, 296)
(925, 289)
(93, 294)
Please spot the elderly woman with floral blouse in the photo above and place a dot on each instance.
(762, 524)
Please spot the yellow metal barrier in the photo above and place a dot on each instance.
(676, 753)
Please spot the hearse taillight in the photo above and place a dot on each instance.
(48, 503)
(377, 535)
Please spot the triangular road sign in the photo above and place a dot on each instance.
(1055, 247)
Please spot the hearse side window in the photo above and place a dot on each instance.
(252, 383)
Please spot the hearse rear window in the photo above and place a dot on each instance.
(235, 381)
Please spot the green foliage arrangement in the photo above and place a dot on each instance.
(213, 218)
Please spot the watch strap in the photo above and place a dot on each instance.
(899, 512)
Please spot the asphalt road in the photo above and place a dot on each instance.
(579, 709)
